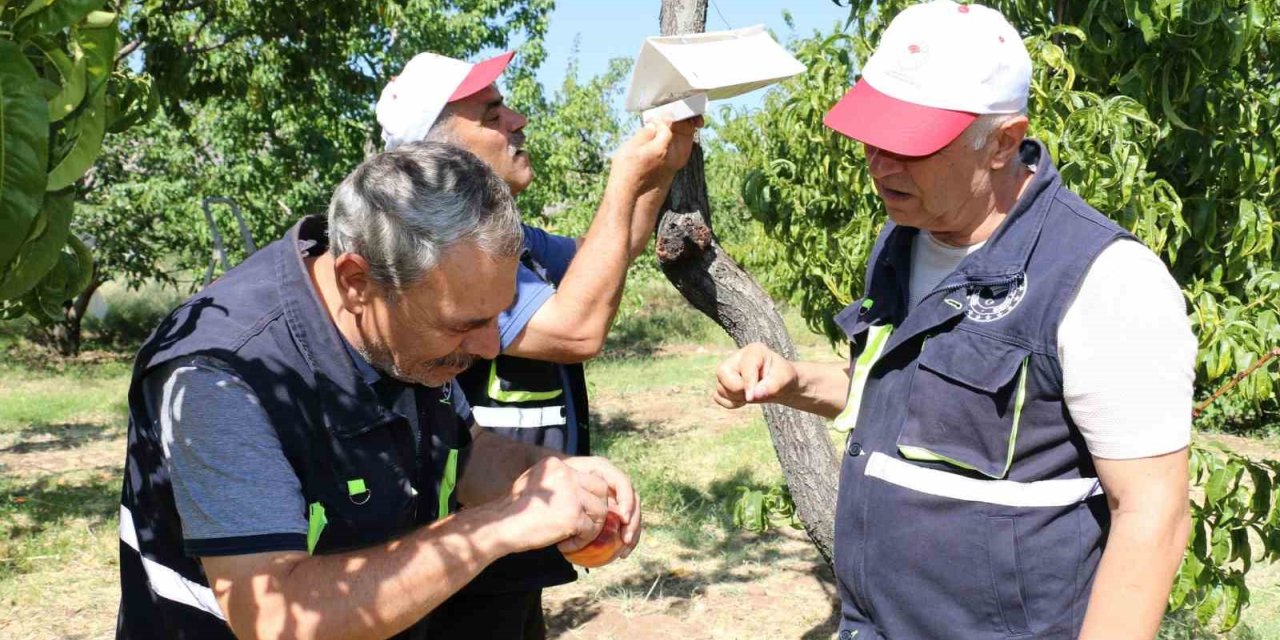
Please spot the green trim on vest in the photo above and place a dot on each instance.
(496, 392)
(315, 524)
(877, 337)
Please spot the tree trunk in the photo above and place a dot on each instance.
(66, 334)
(711, 281)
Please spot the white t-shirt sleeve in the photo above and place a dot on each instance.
(1128, 356)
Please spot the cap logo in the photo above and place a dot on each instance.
(964, 8)
(917, 56)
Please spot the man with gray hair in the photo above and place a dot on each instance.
(1017, 405)
(298, 448)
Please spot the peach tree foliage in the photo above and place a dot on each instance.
(1161, 115)
(61, 92)
(262, 101)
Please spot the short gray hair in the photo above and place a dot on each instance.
(979, 131)
(401, 210)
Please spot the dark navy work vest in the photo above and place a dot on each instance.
(540, 403)
(366, 473)
(968, 505)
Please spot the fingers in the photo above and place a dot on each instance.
(662, 134)
(630, 529)
(593, 505)
(729, 383)
(726, 398)
(754, 374)
(627, 502)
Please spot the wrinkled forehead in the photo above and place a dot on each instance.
(467, 288)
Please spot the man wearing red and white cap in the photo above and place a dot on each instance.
(568, 291)
(1018, 397)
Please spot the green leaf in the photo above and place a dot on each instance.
(1209, 606)
(24, 134)
(1235, 597)
(1200, 539)
(47, 17)
(74, 78)
(1185, 582)
(1220, 546)
(86, 132)
(84, 265)
(1217, 486)
(40, 252)
(1242, 548)
(1166, 104)
(97, 38)
(1137, 12)
(748, 513)
(1261, 503)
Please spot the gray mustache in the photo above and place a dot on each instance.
(452, 361)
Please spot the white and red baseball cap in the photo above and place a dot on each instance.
(939, 66)
(412, 101)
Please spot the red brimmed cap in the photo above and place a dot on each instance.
(938, 66)
(411, 102)
(897, 126)
(482, 74)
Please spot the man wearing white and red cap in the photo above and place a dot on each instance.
(1018, 397)
(568, 291)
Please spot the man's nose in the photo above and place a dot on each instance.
(880, 162)
(484, 341)
(518, 121)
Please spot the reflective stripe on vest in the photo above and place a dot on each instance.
(877, 336)
(497, 393)
(520, 417)
(166, 582)
(1042, 493)
(924, 455)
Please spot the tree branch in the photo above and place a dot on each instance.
(711, 281)
(127, 49)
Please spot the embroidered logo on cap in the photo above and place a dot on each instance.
(917, 55)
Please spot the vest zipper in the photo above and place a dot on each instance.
(1008, 280)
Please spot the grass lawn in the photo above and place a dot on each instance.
(693, 576)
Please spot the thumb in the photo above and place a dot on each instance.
(751, 376)
(769, 385)
(661, 133)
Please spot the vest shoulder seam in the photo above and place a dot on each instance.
(269, 316)
(1090, 214)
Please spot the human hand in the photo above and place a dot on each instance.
(554, 503)
(652, 156)
(754, 374)
(624, 503)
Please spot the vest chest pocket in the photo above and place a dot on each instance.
(965, 403)
(366, 497)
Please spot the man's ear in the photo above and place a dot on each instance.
(1008, 139)
(351, 272)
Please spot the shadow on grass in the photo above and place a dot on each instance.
(60, 436)
(690, 511)
(738, 548)
(48, 501)
(34, 515)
